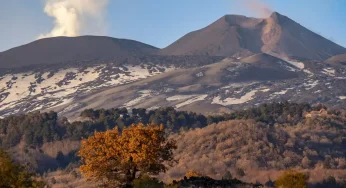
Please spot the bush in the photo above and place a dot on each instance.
(331, 182)
(53, 180)
(227, 176)
(291, 179)
(145, 181)
(240, 172)
(14, 175)
(192, 173)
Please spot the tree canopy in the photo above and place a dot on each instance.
(115, 157)
(291, 178)
(37, 128)
(14, 175)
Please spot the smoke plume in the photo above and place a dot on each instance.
(258, 7)
(76, 17)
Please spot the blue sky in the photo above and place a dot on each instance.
(160, 23)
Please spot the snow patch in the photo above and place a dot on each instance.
(179, 97)
(297, 64)
(329, 71)
(192, 100)
(311, 84)
(230, 101)
(342, 97)
(200, 74)
(308, 72)
(144, 94)
(282, 92)
(239, 84)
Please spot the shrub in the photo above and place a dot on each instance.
(291, 179)
(240, 172)
(227, 176)
(53, 180)
(145, 181)
(192, 173)
(14, 175)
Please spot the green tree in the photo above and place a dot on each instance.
(14, 175)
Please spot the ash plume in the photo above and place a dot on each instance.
(258, 7)
(76, 17)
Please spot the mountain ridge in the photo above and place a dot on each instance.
(229, 36)
(236, 35)
(65, 49)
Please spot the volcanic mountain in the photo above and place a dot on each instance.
(230, 36)
(235, 63)
(240, 36)
(71, 49)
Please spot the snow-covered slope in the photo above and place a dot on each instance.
(184, 83)
(29, 91)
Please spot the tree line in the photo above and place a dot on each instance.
(36, 128)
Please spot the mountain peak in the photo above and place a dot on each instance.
(278, 17)
(275, 14)
(235, 34)
(240, 20)
(69, 49)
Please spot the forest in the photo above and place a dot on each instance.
(37, 128)
(274, 136)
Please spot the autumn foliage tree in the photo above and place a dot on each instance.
(192, 173)
(291, 178)
(115, 158)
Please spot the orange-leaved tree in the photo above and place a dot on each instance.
(192, 173)
(291, 178)
(114, 158)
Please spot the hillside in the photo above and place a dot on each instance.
(316, 142)
(234, 35)
(71, 49)
(203, 84)
(261, 142)
(341, 58)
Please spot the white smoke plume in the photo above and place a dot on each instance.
(76, 17)
(257, 7)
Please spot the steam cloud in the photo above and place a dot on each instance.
(76, 17)
(256, 6)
